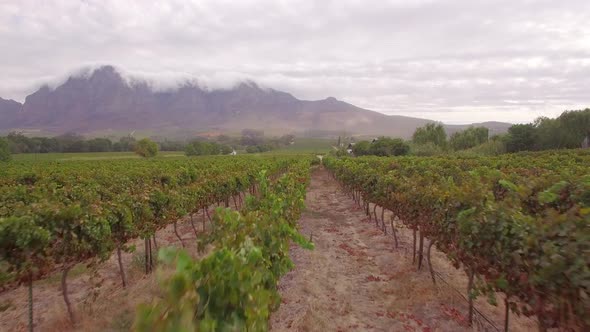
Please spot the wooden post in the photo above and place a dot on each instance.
(393, 231)
(421, 250)
(469, 297)
(414, 245)
(506, 313)
(64, 290)
(30, 303)
(121, 269)
(430, 262)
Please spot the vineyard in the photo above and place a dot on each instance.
(518, 224)
(55, 215)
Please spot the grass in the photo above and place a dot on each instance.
(301, 146)
(89, 156)
(307, 145)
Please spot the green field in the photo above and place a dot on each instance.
(301, 146)
(307, 145)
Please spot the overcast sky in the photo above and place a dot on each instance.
(452, 61)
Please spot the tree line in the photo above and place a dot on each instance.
(71, 142)
(568, 131)
(250, 141)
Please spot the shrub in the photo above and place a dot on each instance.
(4, 150)
(146, 148)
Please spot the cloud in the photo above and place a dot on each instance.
(455, 61)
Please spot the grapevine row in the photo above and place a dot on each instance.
(234, 288)
(519, 225)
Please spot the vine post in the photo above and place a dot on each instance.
(393, 231)
(414, 245)
(421, 250)
(64, 290)
(506, 313)
(383, 220)
(430, 261)
(471, 273)
(121, 269)
(30, 303)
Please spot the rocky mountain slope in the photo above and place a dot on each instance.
(104, 102)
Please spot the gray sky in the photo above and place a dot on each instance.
(454, 61)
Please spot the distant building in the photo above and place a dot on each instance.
(233, 153)
(349, 148)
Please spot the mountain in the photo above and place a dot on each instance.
(104, 102)
(9, 107)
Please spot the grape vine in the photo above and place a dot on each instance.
(518, 224)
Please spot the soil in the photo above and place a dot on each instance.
(354, 280)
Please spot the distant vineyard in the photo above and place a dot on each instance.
(518, 224)
(55, 215)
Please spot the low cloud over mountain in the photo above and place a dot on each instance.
(103, 101)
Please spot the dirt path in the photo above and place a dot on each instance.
(354, 280)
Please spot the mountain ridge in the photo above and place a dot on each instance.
(103, 102)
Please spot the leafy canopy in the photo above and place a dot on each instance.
(433, 133)
(468, 138)
(4, 150)
(383, 146)
(146, 148)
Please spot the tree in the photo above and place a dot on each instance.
(226, 149)
(286, 139)
(203, 148)
(4, 150)
(577, 125)
(194, 148)
(125, 144)
(432, 132)
(19, 143)
(47, 145)
(167, 145)
(385, 146)
(425, 150)
(71, 142)
(468, 138)
(521, 137)
(146, 148)
(252, 149)
(361, 148)
(99, 145)
(252, 137)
